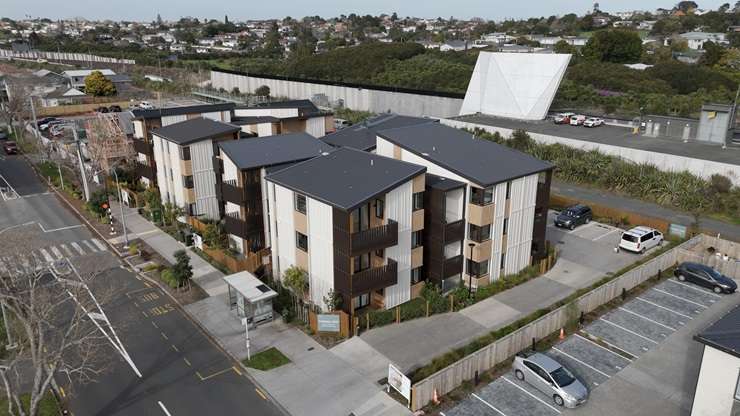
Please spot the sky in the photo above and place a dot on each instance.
(146, 10)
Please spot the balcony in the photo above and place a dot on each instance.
(453, 266)
(374, 238)
(235, 225)
(454, 231)
(140, 146)
(375, 278)
(231, 192)
(145, 171)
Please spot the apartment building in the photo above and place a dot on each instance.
(500, 194)
(362, 136)
(145, 121)
(349, 218)
(241, 186)
(183, 156)
(283, 117)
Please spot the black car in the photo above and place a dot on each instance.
(705, 276)
(102, 109)
(574, 216)
(115, 109)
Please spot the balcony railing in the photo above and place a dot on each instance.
(140, 146)
(231, 192)
(235, 225)
(145, 171)
(375, 278)
(375, 238)
(453, 266)
(454, 231)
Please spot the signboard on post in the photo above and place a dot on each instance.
(399, 382)
(677, 230)
(327, 322)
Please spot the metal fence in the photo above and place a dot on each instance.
(452, 376)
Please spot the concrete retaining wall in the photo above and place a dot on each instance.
(452, 376)
(64, 56)
(663, 161)
(361, 98)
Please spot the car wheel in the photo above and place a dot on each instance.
(588, 220)
(660, 242)
(519, 375)
(558, 400)
(717, 289)
(681, 277)
(642, 251)
(571, 227)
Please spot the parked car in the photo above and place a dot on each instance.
(10, 148)
(49, 124)
(577, 120)
(563, 118)
(3, 135)
(640, 239)
(551, 378)
(705, 276)
(574, 216)
(44, 121)
(593, 122)
(101, 109)
(115, 109)
(340, 123)
(146, 105)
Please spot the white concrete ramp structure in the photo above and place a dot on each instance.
(514, 85)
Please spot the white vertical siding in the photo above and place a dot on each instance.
(521, 223)
(274, 112)
(264, 129)
(230, 170)
(216, 115)
(139, 129)
(497, 230)
(264, 186)
(204, 178)
(285, 240)
(159, 158)
(398, 208)
(715, 387)
(167, 120)
(320, 250)
(383, 147)
(273, 230)
(316, 127)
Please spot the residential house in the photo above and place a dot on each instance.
(241, 188)
(454, 45)
(353, 221)
(362, 136)
(506, 194)
(145, 121)
(184, 159)
(62, 96)
(76, 77)
(696, 40)
(282, 117)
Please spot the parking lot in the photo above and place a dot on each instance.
(599, 351)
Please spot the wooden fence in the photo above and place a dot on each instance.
(452, 376)
(250, 263)
(65, 110)
(616, 215)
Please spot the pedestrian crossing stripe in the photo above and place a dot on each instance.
(57, 253)
(41, 257)
(67, 251)
(100, 245)
(87, 243)
(46, 255)
(77, 247)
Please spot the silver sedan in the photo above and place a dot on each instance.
(551, 378)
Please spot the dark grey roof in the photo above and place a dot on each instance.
(273, 150)
(361, 136)
(305, 107)
(193, 130)
(187, 109)
(240, 121)
(441, 183)
(724, 334)
(482, 162)
(346, 178)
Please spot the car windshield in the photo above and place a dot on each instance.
(713, 273)
(629, 237)
(562, 377)
(569, 213)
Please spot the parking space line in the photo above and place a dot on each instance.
(663, 307)
(579, 361)
(646, 318)
(603, 348)
(488, 404)
(613, 346)
(532, 395)
(164, 409)
(605, 234)
(631, 332)
(695, 288)
(679, 297)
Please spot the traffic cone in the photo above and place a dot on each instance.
(562, 334)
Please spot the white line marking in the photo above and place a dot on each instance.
(631, 332)
(579, 361)
(37, 259)
(695, 288)
(164, 409)
(69, 227)
(663, 307)
(613, 346)
(488, 404)
(78, 248)
(11, 188)
(604, 348)
(679, 297)
(533, 396)
(149, 232)
(46, 255)
(67, 250)
(88, 244)
(605, 234)
(97, 242)
(57, 253)
(647, 319)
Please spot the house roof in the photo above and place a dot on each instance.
(241, 121)
(187, 109)
(86, 72)
(442, 183)
(193, 130)
(362, 136)
(306, 108)
(249, 286)
(724, 334)
(480, 161)
(346, 178)
(273, 150)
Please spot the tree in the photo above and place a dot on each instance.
(263, 91)
(182, 270)
(98, 85)
(296, 279)
(564, 47)
(333, 300)
(687, 6)
(713, 53)
(213, 236)
(619, 46)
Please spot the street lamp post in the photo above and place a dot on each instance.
(120, 202)
(470, 274)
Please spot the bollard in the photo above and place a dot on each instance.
(624, 294)
(660, 274)
(477, 379)
(582, 318)
(534, 344)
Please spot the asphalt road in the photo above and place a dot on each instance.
(184, 373)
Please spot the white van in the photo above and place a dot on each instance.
(640, 239)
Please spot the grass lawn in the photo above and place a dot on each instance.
(48, 406)
(267, 359)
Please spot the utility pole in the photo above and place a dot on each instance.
(82, 165)
(120, 202)
(35, 122)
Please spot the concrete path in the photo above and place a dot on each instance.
(204, 275)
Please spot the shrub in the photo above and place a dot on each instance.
(133, 249)
(720, 183)
(168, 276)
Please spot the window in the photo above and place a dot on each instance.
(185, 153)
(480, 196)
(477, 269)
(417, 275)
(418, 201)
(188, 181)
(361, 301)
(417, 238)
(503, 260)
(300, 203)
(479, 234)
(646, 237)
(379, 208)
(301, 241)
(506, 226)
(361, 262)
(379, 253)
(508, 190)
(191, 210)
(360, 218)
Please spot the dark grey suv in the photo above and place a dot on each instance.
(574, 216)
(705, 276)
